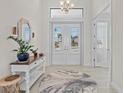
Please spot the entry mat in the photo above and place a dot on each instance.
(67, 81)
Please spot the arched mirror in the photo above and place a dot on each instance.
(24, 30)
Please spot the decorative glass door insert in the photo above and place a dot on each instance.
(58, 38)
(74, 37)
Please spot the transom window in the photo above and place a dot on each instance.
(76, 13)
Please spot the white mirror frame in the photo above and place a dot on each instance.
(20, 25)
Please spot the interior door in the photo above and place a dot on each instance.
(102, 44)
(66, 43)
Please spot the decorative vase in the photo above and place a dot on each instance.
(23, 57)
(35, 55)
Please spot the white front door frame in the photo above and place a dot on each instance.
(81, 38)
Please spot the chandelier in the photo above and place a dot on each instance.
(66, 5)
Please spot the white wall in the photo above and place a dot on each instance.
(98, 6)
(86, 4)
(10, 12)
(117, 44)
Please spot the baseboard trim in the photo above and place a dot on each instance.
(116, 87)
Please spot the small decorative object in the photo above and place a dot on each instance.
(34, 52)
(33, 34)
(41, 54)
(22, 51)
(14, 31)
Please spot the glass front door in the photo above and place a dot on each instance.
(66, 43)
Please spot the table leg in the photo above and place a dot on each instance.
(27, 82)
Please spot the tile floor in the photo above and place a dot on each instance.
(101, 75)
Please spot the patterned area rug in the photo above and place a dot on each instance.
(67, 82)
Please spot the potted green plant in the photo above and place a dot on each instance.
(22, 51)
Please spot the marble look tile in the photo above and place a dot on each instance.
(100, 75)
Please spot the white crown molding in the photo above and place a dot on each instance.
(116, 87)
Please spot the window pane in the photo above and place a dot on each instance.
(73, 13)
(102, 35)
(75, 37)
(58, 37)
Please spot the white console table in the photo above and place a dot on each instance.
(30, 71)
